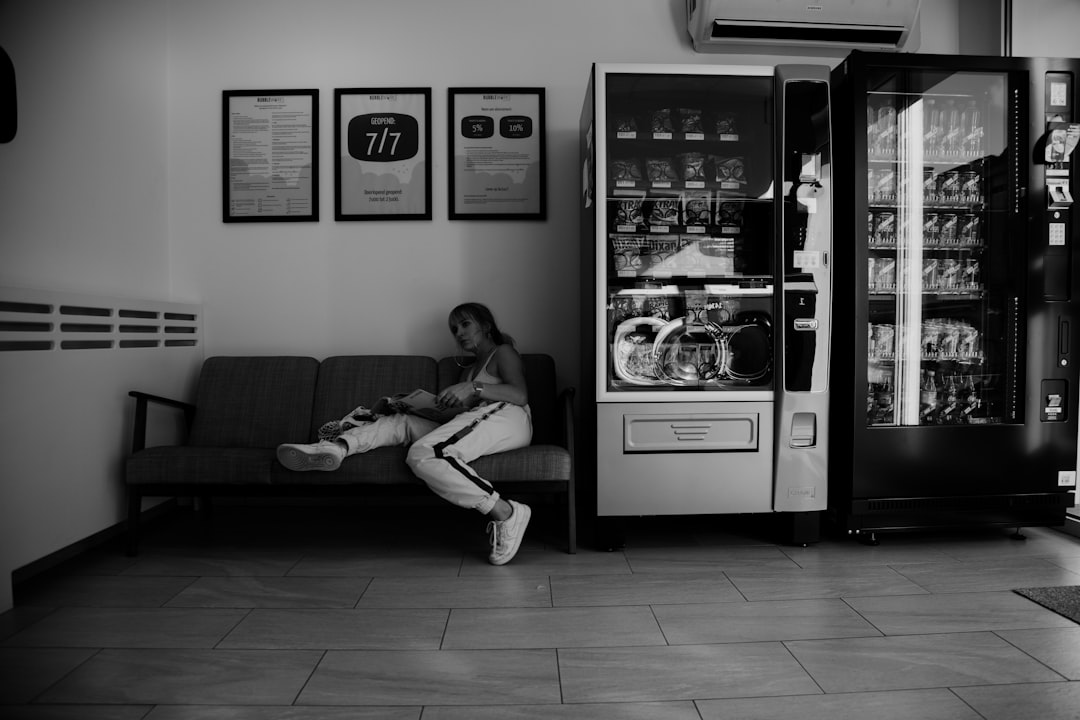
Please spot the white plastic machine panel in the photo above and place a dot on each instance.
(686, 432)
(685, 458)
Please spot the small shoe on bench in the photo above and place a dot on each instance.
(325, 455)
(333, 429)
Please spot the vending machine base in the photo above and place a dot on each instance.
(684, 458)
(872, 516)
(805, 527)
(692, 460)
(799, 529)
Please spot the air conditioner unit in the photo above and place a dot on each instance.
(722, 25)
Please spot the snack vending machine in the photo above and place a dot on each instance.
(706, 291)
(955, 383)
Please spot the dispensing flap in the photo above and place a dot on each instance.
(803, 429)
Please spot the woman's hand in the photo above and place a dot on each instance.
(389, 405)
(456, 396)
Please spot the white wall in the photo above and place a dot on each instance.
(83, 209)
(83, 193)
(1047, 28)
(346, 287)
(113, 187)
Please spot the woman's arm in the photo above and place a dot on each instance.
(512, 389)
(506, 364)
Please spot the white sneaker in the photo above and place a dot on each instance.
(323, 455)
(506, 535)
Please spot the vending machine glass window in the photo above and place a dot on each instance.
(944, 315)
(687, 267)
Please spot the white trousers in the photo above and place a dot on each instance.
(440, 454)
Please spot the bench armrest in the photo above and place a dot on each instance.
(142, 400)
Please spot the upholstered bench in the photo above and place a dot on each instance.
(246, 406)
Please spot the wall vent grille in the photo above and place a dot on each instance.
(36, 320)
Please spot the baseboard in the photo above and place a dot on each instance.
(88, 543)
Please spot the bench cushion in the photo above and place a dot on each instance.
(253, 402)
(166, 465)
(536, 462)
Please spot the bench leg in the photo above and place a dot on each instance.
(204, 513)
(134, 510)
(571, 519)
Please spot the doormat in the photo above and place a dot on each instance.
(1062, 600)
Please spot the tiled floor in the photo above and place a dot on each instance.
(333, 613)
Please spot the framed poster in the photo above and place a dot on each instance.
(271, 155)
(382, 139)
(497, 162)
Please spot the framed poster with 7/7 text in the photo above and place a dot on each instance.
(382, 141)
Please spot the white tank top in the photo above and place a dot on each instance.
(484, 375)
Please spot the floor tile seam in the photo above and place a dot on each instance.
(311, 674)
(300, 558)
(558, 679)
(867, 620)
(659, 626)
(1025, 652)
(181, 591)
(6, 640)
(445, 629)
(733, 601)
(363, 591)
(1056, 561)
(684, 646)
(955, 693)
(990, 562)
(826, 638)
(802, 667)
(482, 650)
(604, 606)
(824, 595)
(697, 709)
(1047, 683)
(911, 580)
(230, 631)
(958, 631)
(215, 648)
(66, 675)
(930, 593)
(848, 598)
(953, 633)
(398, 606)
(1011, 683)
(731, 582)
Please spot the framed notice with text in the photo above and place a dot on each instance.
(497, 161)
(382, 139)
(271, 155)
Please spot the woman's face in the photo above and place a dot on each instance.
(468, 333)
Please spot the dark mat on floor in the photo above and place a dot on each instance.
(1063, 600)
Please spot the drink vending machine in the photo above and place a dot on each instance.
(955, 382)
(706, 291)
